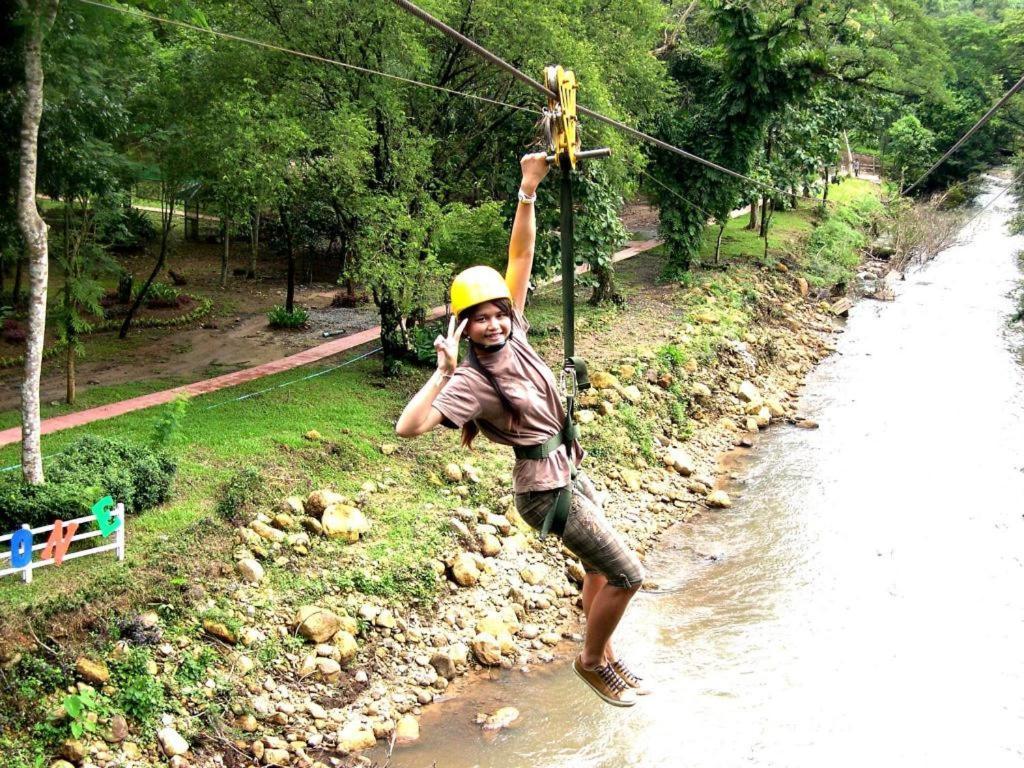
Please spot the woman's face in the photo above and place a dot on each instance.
(488, 324)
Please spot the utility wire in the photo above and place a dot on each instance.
(527, 80)
(671, 191)
(293, 381)
(989, 204)
(322, 59)
(973, 130)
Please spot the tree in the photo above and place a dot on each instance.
(911, 147)
(38, 16)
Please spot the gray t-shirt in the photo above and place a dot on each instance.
(529, 384)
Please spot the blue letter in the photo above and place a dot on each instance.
(21, 548)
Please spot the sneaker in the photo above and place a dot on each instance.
(606, 684)
(634, 681)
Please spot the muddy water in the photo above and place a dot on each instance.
(863, 602)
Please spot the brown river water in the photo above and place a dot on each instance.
(862, 604)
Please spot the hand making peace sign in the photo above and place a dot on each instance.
(448, 348)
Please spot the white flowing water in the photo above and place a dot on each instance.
(864, 605)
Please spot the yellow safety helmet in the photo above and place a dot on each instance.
(476, 285)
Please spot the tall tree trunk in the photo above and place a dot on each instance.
(793, 200)
(254, 239)
(824, 194)
(604, 290)
(765, 201)
(226, 224)
(71, 367)
(718, 243)
(33, 230)
(16, 289)
(393, 339)
(289, 302)
(752, 222)
(166, 222)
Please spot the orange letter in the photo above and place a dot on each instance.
(60, 539)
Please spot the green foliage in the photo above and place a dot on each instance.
(465, 236)
(83, 709)
(139, 694)
(161, 295)
(169, 422)
(42, 504)
(133, 474)
(670, 357)
(122, 227)
(238, 497)
(833, 249)
(194, 666)
(279, 317)
(910, 147)
(422, 339)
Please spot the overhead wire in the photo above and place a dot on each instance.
(671, 191)
(991, 202)
(302, 54)
(973, 130)
(537, 86)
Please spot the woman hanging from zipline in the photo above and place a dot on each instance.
(506, 391)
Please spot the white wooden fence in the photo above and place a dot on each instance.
(26, 571)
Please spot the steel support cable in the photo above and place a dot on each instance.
(989, 204)
(671, 191)
(302, 54)
(973, 130)
(537, 86)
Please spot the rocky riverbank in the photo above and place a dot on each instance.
(265, 671)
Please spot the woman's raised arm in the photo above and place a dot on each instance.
(524, 230)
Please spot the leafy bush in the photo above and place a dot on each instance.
(162, 296)
(239, 495)
(422, 338)
(834, 245)
(168, 425)
(139, 695)
(91, 467)
(466, 236)
(120, 226)
(279, 317)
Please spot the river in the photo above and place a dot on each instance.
(862, 604)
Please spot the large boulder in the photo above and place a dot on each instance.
(680, 461)
(171, 742)
(345, 645)
(749, 393)
(464, 570)
(250, 570)
(408, 729)
(356, 735)
(315, 623)
(719, 500)
(320, 500)
(341, 521)
(486, 649)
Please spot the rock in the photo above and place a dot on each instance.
(680, 461)
(585, 416)
(284, 522)
(241, 663)
(276, 757)
(575, 571)
(312, 435)
(807, 424)
(74, 750)
(534, 574)
(346, 646)
(751, 425)
(408, 729)
(386, 620)
(61, 764)
(171, 742)
(633, 394)
(315, 623)
(453, 472)
(763, 417)
(341, 521)
(748, 393)
(603, 380)
(312, 525)
(464, 570)
(388, 449)
(220, 630)
(632, 479)
(118, 731)
(329, 669)
(486, 649)
(503, 718)
(802, 286)
(490, 545)
(700, 391)
(774, 408)
(355, 736)
(250, 570)
(93, 672)
(626, 372)
(247, 723)
(719, 500)
(267, 532)
(443, 665)
(605, 407)
(292, 505)
(307, 666)
(459, 654)
(320, 500)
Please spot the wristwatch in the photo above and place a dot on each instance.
(525, 198)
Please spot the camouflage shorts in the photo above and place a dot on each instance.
(587, 533)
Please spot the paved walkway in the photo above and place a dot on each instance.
(312, 355)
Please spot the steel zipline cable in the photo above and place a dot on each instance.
(476, 48)
(537, 86)
(302, 54)
(973, 130)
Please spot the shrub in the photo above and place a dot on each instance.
(162, 296)
(422, 337)
(833, 251)
(42, 504)
(239, 495)
(279, 317)
(139, 694)
(123, 227)
(138, 476)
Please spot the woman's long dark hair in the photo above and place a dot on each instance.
(471, 429)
